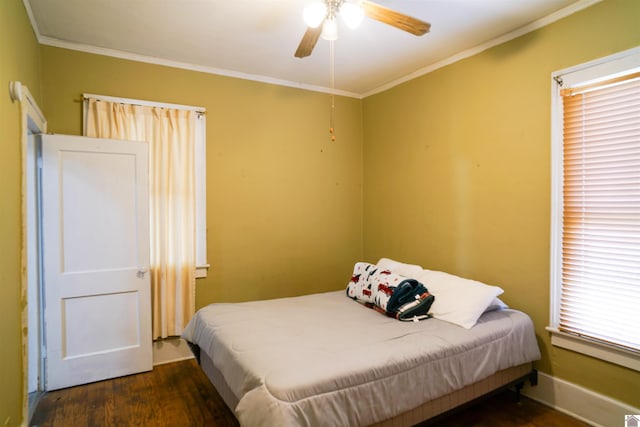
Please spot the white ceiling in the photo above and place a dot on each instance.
(256, 39)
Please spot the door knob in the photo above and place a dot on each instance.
(141, 272)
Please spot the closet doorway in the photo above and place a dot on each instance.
(33, 122)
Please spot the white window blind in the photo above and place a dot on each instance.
(600, 244)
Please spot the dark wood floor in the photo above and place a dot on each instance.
(180, 395)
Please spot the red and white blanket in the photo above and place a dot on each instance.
(389, 293)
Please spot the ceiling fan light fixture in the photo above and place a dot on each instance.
(330, 29)
(314, 13)
(352, 14)
(352, 11)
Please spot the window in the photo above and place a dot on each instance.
(595, 253)
(200, 170)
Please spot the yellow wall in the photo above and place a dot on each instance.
(457, 171)
(19, 60)
(284, 203)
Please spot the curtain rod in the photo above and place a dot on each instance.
(87, 96)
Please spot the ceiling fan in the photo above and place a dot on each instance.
(321, 19)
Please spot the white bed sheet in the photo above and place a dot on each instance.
(325, 360)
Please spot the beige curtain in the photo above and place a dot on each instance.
(171, 137)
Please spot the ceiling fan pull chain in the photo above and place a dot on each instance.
(332, 78)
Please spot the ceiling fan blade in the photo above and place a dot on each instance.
(308, 41)
(395, 19)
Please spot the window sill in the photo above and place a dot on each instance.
(595, 349)
(201, 271)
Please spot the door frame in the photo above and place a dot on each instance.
(32, 121)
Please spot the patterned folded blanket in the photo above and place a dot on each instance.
(389, 293)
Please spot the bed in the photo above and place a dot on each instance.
(326, 360)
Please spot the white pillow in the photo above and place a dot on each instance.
(411, 271)
(496, 304)
(458, 300)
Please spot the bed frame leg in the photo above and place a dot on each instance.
(518, 390)
(533, 380)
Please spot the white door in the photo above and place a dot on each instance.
(95, 232)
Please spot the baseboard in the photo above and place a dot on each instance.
(581, 403)
(170, 350)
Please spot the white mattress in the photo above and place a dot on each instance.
(325, 360)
